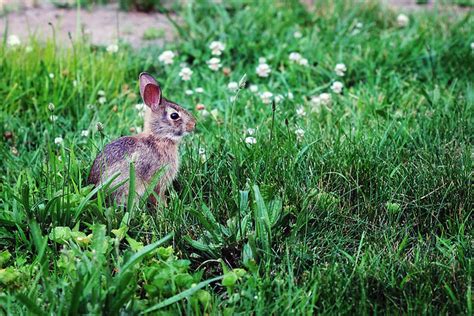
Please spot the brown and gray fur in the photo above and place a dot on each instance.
(153, 150)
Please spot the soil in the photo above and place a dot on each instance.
(103, 25)
(411, 5)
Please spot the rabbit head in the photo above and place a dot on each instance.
(164, 119)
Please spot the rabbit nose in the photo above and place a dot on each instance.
(190, 126)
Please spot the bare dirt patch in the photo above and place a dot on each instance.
(409, 5)
(413, 5)
(103, 25)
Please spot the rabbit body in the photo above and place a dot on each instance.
(147, 153)
(154, 150)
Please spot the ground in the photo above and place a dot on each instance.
(106, 24)
(330, 171)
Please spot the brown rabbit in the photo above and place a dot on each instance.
(151, 151)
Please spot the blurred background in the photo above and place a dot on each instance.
(136, 22)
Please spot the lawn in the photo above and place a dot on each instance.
(304, 190)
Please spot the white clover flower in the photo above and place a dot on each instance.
(337, 86)
(250, 131)
(233, 86)
(51, 75)
(58, 140)
(472, 45)
(266, 97)
(316, 104)
(13, 41)
(297, 34)
(340, 70)
(300, 111)
(102, 100)
(262, 60)
(202, 154)
(299, 134)
(253, 88)
(325, 99)
(357, 27)
(53, 118)
(51, 107)
(189, 92)
(295, 57)
(290, 95)
(303, 62)
(355, 31)
(402, 20)
(112, 48)
(85, 133)
(315, 100)
(205, 113)
(279, 98)
(215, 113)
(199, 90)
(140, 107)
(167, 57)
(185, 74)
(216, 48)
(250, 140)
(263, 70)
(101, 93)
(214, 64)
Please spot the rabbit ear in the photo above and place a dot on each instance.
(150, 91)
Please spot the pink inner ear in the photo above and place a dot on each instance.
(152, 96)
(146, 79)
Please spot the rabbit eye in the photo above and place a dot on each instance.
(174, 116)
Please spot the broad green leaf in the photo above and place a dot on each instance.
(4, 257)
(262, 221)
(8, 275)
(120, 232)
(230, 278)
(60, 234)
(144, 251)
(182, 295)
(134, 245)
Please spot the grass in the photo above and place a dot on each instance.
(370, 212)
(152, 34)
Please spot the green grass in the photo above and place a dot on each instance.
(370, 212)
(153, 33)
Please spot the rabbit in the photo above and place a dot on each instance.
(153, 150)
